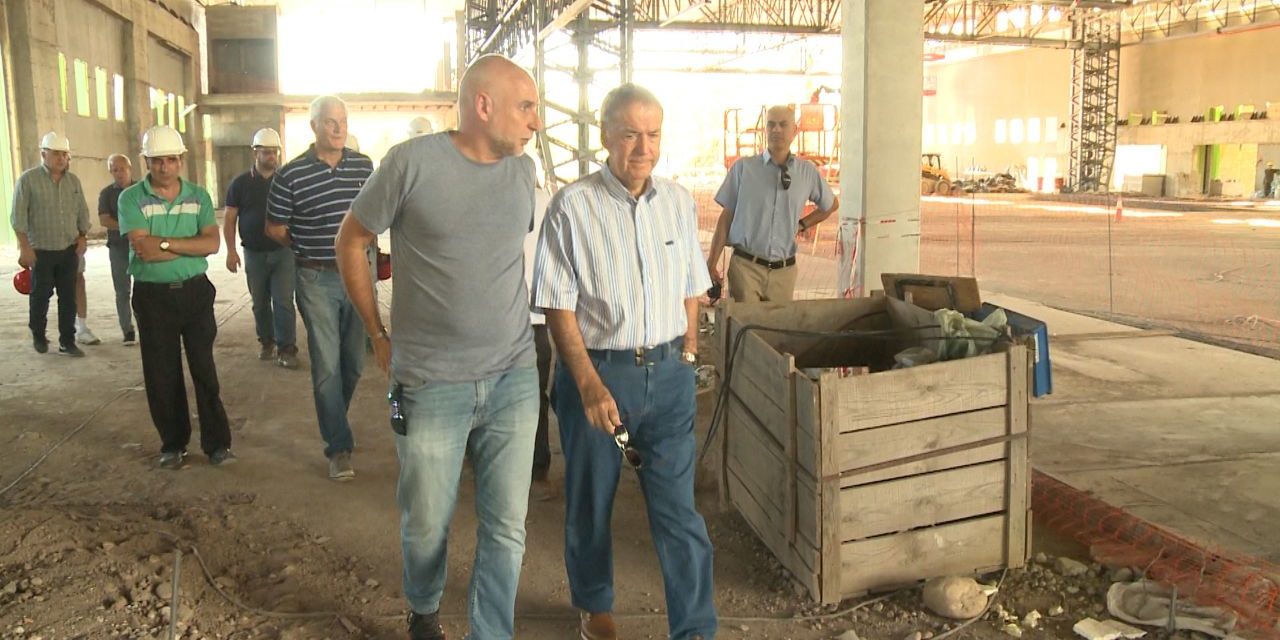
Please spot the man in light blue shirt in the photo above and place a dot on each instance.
(764, 200)
(618, 272)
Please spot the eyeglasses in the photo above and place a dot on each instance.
(786, 178)
(622, 438)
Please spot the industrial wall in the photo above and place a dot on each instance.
(102, 71)
(1001, 110)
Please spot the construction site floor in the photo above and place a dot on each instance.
(1180, 433)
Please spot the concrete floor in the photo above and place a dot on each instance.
(1182, 434)
(1179, 433)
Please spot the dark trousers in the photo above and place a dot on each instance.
(657, 406)
(171, 317)
(541, 442)
(54, 270)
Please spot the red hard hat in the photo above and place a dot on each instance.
(384, 266)
(22, 282)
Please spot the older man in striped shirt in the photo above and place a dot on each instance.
(305, 207)
(618, 272)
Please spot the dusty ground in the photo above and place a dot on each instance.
(273, 549)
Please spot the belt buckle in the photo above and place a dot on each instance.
(639, 353)
(175, 285)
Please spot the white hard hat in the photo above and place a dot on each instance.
(352, 142)
(266, 138)
(420, 126)
(55, 141)
(160, 141)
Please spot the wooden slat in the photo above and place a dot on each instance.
(806, 393)
(792, 559)
(755, 398)
(922, 501)
(881, 444)
(763, 377)
(1019, 485)
(758, 460)
(808, 522)
(829, 488)
(926, 391)
(952, 549)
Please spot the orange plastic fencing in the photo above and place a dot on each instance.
(1203, 575)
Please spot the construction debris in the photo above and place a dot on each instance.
(954, 597)
(1105, 630)
(1155, 605)
(1070, 568)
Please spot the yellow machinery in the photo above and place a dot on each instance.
(934, 180)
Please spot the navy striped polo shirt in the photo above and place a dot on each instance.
(311, 198)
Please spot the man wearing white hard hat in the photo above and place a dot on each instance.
(268, 265)
(420, 126)
(172, 229)
(50, 217)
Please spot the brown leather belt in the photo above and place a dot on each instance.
(768, 264)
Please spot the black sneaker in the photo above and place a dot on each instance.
(173, 460)
(70, 350)
(425, 627)
(130, 339)
(41, 345)
(222, 457)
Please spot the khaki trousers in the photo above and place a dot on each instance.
(751, 282)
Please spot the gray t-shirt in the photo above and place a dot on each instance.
(459, 307)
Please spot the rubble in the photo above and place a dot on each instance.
(1092, 629)
(954, 597)
(1070, 568)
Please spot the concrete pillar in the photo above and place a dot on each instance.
(137, 98)
(882, 80)
(33, 37)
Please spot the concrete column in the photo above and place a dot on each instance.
(137, 99)
(882, 80)
(36, 98)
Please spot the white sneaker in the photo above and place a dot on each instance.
(85, 336)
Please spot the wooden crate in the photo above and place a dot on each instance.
(860, 483)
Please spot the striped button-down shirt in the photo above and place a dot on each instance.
(624, 265)
(311, 198)
(52, 214)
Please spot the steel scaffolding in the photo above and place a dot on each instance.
(1095, 101)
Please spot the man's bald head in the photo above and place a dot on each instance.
(121, 169)
(780, 126)
(498, 101)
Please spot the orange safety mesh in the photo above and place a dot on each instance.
(1201, 573)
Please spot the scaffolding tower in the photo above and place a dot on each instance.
(574, 42)
(1095, 101)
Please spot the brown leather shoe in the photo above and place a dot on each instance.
(597, 626)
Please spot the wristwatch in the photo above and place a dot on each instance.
(689, 357)
(164, 244)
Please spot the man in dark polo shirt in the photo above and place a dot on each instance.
(117, 245)
(268, 265)
(309, 197)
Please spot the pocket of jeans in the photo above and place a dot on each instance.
(309, 276)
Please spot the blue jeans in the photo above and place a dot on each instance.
(123, 284)
(493, 421)
(335, 345)
(657, 406)
(270, 275)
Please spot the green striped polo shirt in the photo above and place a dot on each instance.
(191, 211)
